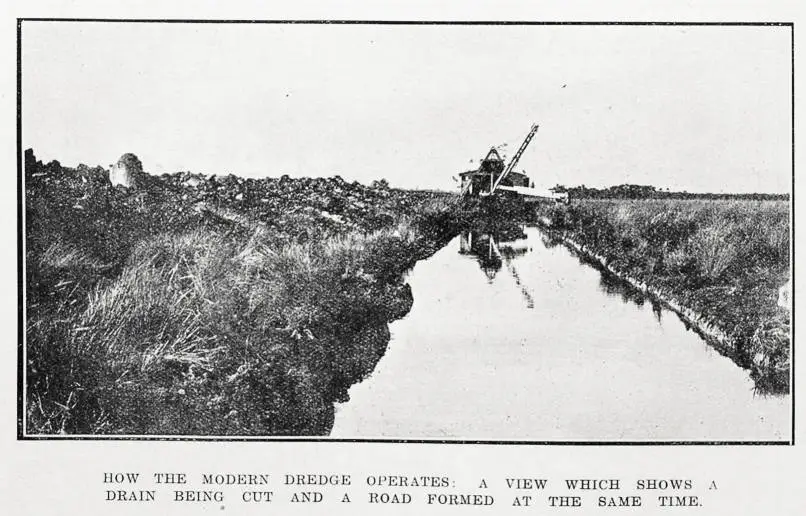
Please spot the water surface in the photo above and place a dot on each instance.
(516, 339)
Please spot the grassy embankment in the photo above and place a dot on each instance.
(720, 263)
(215, 306)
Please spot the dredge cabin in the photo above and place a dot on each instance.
(482, 180)
(493, 173)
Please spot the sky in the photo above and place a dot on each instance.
(702, 109)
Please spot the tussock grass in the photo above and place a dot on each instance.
(722, 237)
(61, 256)
(713, 249)
(204, 333)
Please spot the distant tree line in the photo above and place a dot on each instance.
(627, 191)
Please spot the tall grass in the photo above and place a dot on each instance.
(722, 238)
(203, 333)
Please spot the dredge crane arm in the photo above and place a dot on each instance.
(516, 157)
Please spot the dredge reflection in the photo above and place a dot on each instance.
(494, 251)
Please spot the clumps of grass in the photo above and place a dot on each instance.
(212, 306)
(204, 333)
(724, 259)
(59, 256)
(770, 348)
(713, 249)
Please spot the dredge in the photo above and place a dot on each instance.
(493, 176)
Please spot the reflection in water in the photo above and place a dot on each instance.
(481, 246)
(492, 251)
(609, 283)
(613, 286)
(495, 250)
(583, 358)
